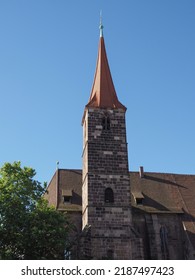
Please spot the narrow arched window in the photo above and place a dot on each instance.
(164, 242)
(106, 123)
(109, 195)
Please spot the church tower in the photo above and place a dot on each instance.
(106, 205)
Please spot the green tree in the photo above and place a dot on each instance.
(29, 228)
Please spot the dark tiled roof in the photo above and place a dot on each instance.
(160, 193)
(70, 180)
(67, 180)
(167, 193)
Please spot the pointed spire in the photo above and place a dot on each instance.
(103, 94)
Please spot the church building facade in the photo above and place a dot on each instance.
(117, 213)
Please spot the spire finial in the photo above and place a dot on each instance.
(101, 25)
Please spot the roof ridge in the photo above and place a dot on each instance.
(166, 173)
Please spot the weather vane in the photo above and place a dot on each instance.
(101, 25)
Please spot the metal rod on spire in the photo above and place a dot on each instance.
(101, 25)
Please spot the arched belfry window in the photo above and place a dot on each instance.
(109, 195)
(106, 123)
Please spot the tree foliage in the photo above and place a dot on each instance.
(29, 228)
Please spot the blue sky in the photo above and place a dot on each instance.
(48, 52)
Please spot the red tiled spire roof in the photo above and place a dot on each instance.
(103, 94)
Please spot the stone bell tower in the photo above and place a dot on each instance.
(106, 205)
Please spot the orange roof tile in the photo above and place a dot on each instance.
(103, 94)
